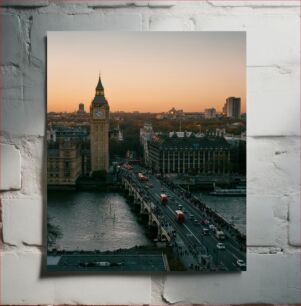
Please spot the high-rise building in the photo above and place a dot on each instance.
(210, 113)
(99, 124)
(225, 109)
(233, 107)
(81, 108)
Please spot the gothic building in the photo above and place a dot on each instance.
(99, 134)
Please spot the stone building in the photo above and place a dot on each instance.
(99, 125)
(190, 154)
(68, 154)
(64, 163)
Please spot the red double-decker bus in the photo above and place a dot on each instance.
(163, 198)
(180, 216)
(142, 177)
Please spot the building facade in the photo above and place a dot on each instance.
(210, 113)
(190, 154)
(68, 154)
(64, 163)
(81, 108)
(232, 107)
(146, 134)
(99, 133)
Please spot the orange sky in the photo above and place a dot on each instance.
(146, 71)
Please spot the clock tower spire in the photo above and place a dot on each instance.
(99, 88)
(99, 130)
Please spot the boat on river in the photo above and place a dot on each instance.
(237, 192)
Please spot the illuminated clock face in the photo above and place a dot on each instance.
(99, 113)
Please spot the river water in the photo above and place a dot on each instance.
(94, 221)
(232, 209)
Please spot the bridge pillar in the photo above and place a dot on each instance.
(174, 162)
(150, 219)
(218, 162)
(163, 164)
(214, 160)
(229, 162)
(159, 232)
(204, 161)
(168, 162)
(183, 162)
(193, 160)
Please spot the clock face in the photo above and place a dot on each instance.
(99, 114)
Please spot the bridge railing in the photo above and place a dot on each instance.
(168, 232)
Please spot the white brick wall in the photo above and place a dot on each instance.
(273, 75)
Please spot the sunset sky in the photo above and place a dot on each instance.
(146, 71)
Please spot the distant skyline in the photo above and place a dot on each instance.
(146, 71)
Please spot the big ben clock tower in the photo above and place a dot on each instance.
(99, 125)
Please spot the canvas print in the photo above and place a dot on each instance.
(146, 151)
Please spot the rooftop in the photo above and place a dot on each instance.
(189, 140)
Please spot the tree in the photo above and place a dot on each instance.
(99, 175)
(53, 232)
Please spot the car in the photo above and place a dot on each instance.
(205, 222)
(196, 221)
(205, 231)
(241, 263)
(191, 216)
(220, 246)
(212, 227)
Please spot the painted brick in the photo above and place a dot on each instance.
(266, 281)
(23, 3)
(22, 284)
(262, 226)
(23, 101)
(162, 4)
(273, 162)
(250, 3)
(273, 165)
(268, 33)
(122, 4)
(157, 285)
(10, 170)
(294, 220)
(169, 23)
(116, 4)
(33, 167)
(273, 88)
(11, 46)
(11, 85)
(20, 214)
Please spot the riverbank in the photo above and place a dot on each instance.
(136, 259)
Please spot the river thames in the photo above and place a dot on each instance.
(233, 209)
(104, 221)
(94, 221)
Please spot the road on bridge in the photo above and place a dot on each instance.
(196, 243)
